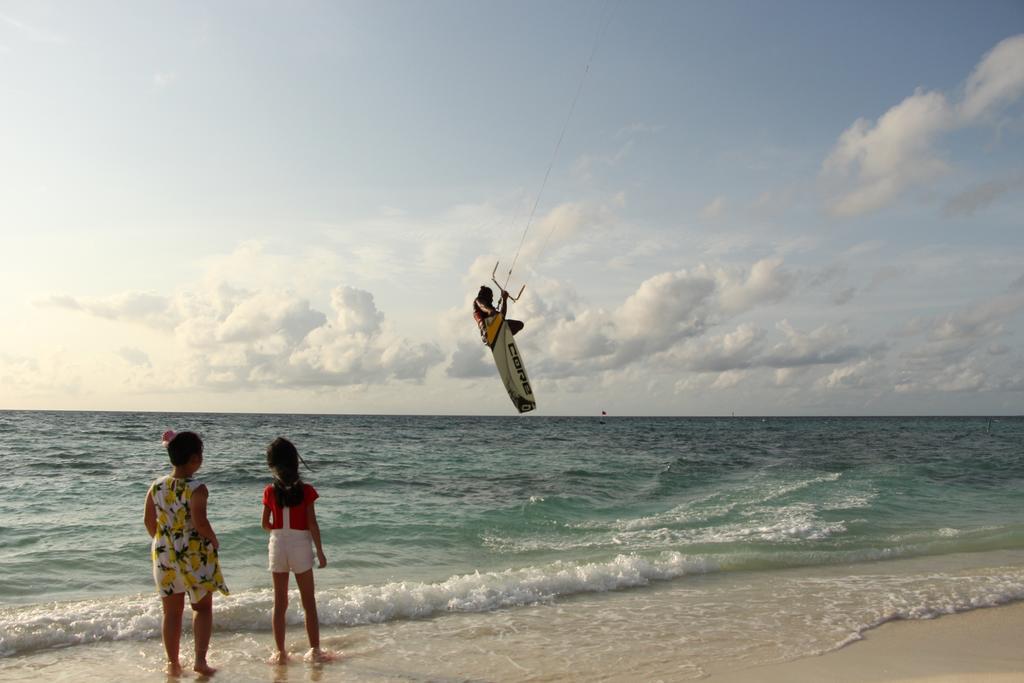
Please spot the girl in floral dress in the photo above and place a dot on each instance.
(184, 549)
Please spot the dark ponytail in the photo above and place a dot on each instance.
(283, 461)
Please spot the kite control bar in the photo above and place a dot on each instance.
(495, 281)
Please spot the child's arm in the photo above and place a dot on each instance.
(149, 516)
(199, 520)
(314, 531)
(266, 517)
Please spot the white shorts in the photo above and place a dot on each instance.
(290, 550)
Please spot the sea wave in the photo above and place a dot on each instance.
(51, 625)
(31, 628)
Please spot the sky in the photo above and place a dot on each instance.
(786, 208)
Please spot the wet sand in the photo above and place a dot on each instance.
(984, 645)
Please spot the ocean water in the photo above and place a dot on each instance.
(456, 544)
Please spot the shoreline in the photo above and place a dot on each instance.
(980, 645)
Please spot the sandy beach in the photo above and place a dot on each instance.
(981, 646)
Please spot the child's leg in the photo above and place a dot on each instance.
(202, 627)
(280, 610)
(305, 582)
(173, 606)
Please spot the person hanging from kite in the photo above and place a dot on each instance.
(483, 308)
(496, 332)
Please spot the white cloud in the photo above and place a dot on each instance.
(825, 345)
(728, 379)
(664, 309)
(997, 80)
(357, 313)
(142, 307)
(982, 320)
(471, 360)
(851, 375)
(564, 225)
(585, 336)
(268, 314)
(767, 282)
(874, 163)
(233, 338)
(731, 351)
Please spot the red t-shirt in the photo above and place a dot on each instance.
(296, 512)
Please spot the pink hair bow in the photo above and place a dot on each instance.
(167, 437)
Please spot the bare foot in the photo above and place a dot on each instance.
(318, 656)
(204, 669)
(279, 658)
(172, 669)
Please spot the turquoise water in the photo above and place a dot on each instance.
(424, 516)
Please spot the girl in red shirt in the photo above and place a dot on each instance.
(289, 516)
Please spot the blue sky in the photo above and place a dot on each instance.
(766, 208)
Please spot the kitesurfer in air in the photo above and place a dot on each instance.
(483, 308)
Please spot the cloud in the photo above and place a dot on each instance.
(713, 209)
(357, 313)
(353, 347)
(134, 356)
(961, 350)
(585, 336)
(960, 377)
(264, 315)
(874, 163)
(30, 32)
(561, 225)
(230, 338)
(982, 320)
(997, 80)
(825, 345)
(731, 351)
(639, 128)
(966, 203)
(843, 296)
(664, 322)
(854, 375)
(164, 79)
(587, 165)
(470, 361)
(141, 307)
(664, 309)
(886, 274)
(767, 282)
(728, 379)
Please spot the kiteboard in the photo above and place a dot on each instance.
(510, 363)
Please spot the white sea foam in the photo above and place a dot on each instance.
(30, 628)
(841, 603)
(792, 487)
(760, 524)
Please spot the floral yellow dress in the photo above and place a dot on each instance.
(182, 559)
